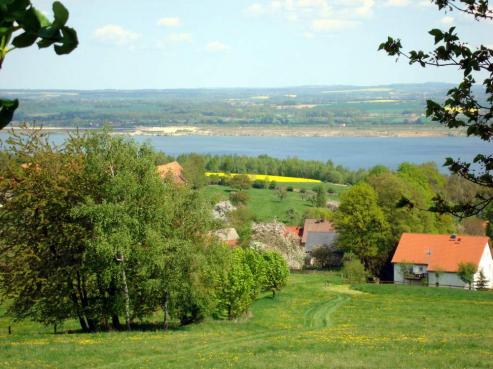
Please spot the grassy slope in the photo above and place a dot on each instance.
(309, 325)
(265, 204)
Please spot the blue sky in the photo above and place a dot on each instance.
(128, 44)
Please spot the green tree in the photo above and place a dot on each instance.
(320, 198)
(277, 272)
(466, 273)
(362, 227)
(194, 170)
(237, 285)
(107, 239)
(462, 107)
(482, 282)
(21, 25)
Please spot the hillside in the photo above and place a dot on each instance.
(311, 324)
(327, 106)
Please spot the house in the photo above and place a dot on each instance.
(434, 259)
(228, 236)
(173, 171)
(317, 233)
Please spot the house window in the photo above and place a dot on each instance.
(420, 269)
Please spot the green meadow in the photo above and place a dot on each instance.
(266, 205)
(315, 322)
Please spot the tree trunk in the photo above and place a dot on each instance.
(166, 311)
(115, 322)
(127, 299)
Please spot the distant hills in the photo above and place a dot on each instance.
(332, 106)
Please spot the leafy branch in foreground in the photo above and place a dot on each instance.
(462, 107)
(22, 25)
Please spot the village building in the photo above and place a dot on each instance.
(434, 259)
(173, 171)
(317, 233)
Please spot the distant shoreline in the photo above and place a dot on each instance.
(276, 131)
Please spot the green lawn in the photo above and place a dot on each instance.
(308, 325)
(265, 204)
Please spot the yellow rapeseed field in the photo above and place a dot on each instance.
(265, 177)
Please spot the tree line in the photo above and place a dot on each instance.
(290, 167)
(89, 231)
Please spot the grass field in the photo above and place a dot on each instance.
(265, 204)
(308, 325)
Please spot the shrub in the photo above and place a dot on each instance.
(238, 198)
(214, 179)
(240, 182)
(290, 189)
(353, 270)
(272, 185)
(259, 184)
(326, 257)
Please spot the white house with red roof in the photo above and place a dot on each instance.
(435, 258)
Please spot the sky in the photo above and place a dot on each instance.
(156, 44)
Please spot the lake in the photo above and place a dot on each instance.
(351, 152)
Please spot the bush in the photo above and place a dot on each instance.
(272, 185)
(353, 270)
(240, 182)
(290, 189)
(238, 198)
(259, 184)
(214, 179)
(326, 257)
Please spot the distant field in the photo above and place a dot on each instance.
(308, 325)
(266, 177)
(265, 204)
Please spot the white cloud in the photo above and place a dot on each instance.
(169, 22)
(397, 3)
(448, 20)
(315, 15)
(115, 34)
(178, 38)
(216, 46)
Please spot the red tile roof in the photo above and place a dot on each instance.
(438, 251)
(296, 231)
(316, 225)
(172, 170)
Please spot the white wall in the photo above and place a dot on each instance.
(445, 279)
(486, 265)
(398, 276)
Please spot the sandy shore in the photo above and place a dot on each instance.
(283, 131)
